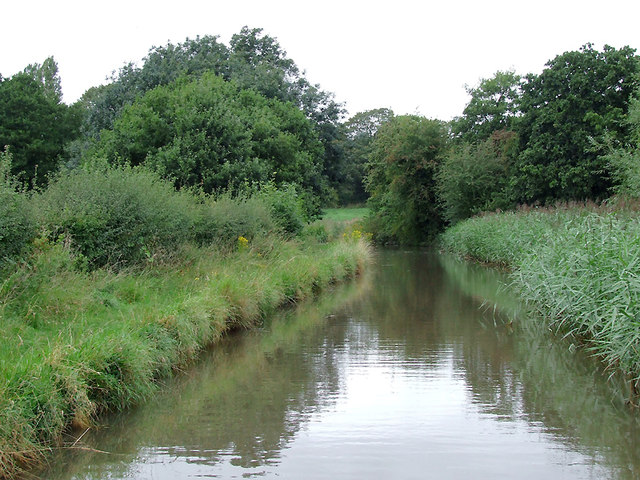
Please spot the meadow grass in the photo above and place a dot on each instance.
(345, 214)
(76, 344)
(577, 267)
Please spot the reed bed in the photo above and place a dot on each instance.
(577, 267)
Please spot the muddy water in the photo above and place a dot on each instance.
(422, 369)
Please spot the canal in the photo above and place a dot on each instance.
(424, 368)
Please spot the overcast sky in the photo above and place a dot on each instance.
(411, 56)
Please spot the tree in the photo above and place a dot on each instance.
(494, 104)
(257, 61)
(47, 75)
(211, 134)
(253, 61)
(34, 122)
(357, 137)
(474, 177)
(580, 97)
(161, 66)
(624, 161)
(400, 179)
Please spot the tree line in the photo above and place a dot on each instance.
(204, 114)
(218, 117)
(570, 133)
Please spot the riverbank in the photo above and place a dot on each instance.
(77, 344)
(577, 267)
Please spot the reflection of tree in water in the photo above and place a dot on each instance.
(533, 375)
(245, 399)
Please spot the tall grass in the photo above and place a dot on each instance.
(120, 280)
(576, 267)
(75, 344)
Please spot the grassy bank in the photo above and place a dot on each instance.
(76, 344)
(578, 267)
(345, 214)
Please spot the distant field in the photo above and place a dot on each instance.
(345, 214)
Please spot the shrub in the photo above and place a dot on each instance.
(17, 225)
(116, 215)
(474, 178)
(222, 220)
(286, 207)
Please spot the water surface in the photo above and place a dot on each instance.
(413, 372)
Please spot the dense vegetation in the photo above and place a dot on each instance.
(576, 266)
(197, 172)
(561, 135)
(157, 213)
(110, 279)
(220, 117)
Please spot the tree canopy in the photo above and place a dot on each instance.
(405, 156)
(579, 97)
(357, 135)
(34, 123)
(494, 104)
(207, 132)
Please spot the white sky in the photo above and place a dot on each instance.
(412, 56)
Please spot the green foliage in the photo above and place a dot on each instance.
(210, 134)
(78, 344)
(577, 267)
(625, 171)
(116, 216)
(34, 122)
(47, 75)
(405, 156)
(624, 162)
(161, 66)
(286, 207)
(221, 220)
(580, 97)
(128, 216)
(17, 225)
(253, 61)
(494, 105)
(474, 178)
(355, 144)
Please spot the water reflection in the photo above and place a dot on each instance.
(412, 372)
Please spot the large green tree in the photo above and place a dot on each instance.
(34, 122)
(253, 60)
(210, 133)
(401, 180)
(162, 66)
(579, 98)
(493, 106)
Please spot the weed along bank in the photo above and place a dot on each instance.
(126, 282)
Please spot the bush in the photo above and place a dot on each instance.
(474, 178)
(116, 216)
(624, 164)
(286, 207)
(222, 220)
(17, 225)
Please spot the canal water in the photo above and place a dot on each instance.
(422, 369)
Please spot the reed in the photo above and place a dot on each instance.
(577, 267)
